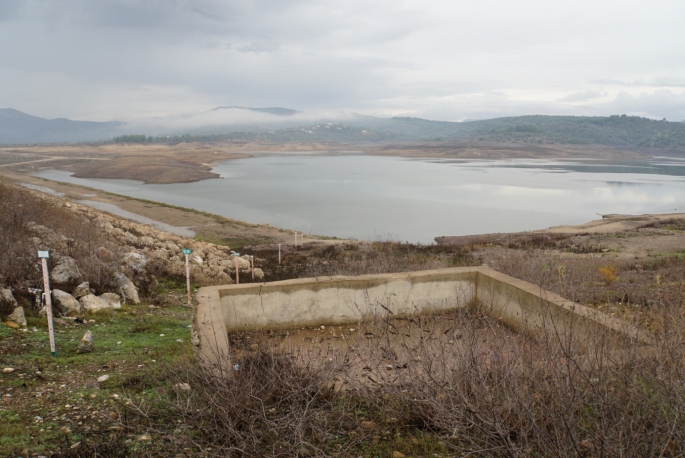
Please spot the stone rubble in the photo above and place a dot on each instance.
(130, 248)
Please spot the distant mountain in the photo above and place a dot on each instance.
(18, 127)
(270, 110)
(283, 125)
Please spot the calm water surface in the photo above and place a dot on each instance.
(372, 197)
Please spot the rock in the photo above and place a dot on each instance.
(182, 386)
(135, 261)
(127, 288)
(81, 290)
(368, 424)
(65, 304)
(146, 241)
(65, 271)
(114, 300)
(18, 316)
(104, 254)
(92, 303)
(86, 343)
(195, 259)
(254, 347)
(145, 437)
(11, 324)
(6, 296)
(7, 370)
(258, 273)
(60, 322)
(242, 263)
(397, 454)
(103, 378)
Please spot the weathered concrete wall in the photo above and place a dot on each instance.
(339, 300)
(527, 307)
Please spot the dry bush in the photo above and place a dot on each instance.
(554, 395)
(461, 378)
(74, 235)
(18, 260)
(355, 259)
(272, 407)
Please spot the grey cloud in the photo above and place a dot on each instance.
(122, 59)
(582, 96)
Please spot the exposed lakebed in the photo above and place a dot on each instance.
(373, 197)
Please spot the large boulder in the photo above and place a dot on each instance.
(127, 288)
(242, 263)
(114, 300)
(18, 317)
(92, 303)
(65, 303)
(82, 290)
(65, 271)
(258, 274)
(7, 298)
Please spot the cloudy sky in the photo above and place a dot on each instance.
(438, 59)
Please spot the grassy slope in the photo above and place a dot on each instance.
(135, 346)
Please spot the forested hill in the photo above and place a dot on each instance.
(625, 131)
(619, 131)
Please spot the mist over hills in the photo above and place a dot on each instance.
(18, 127)
(283, 124)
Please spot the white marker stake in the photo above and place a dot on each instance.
(188, 279)
(279, 253)
(44, 255)
(186, 252)
(252, 261)
(296, 239)
(237, 273)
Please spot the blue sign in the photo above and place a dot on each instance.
(44, 254)
(186, 250)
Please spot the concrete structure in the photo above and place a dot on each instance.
(339, 300)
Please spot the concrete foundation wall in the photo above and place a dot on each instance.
(339, 300)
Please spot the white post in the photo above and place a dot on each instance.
(48, 300)
(279, 253)
(295, 239)
(237, 270)
(186, 252)
(188, 279)
(252, 262)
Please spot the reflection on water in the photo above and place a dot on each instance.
(372, 197)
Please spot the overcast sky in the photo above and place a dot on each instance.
(441, 59)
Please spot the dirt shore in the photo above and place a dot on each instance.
(208, 227)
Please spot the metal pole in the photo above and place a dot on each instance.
(48, 305)
(237, 273)
(279, 253)
(188, 279)
(252, 261)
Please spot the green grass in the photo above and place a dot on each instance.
(129, 347)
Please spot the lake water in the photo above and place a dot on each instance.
(372, 197)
